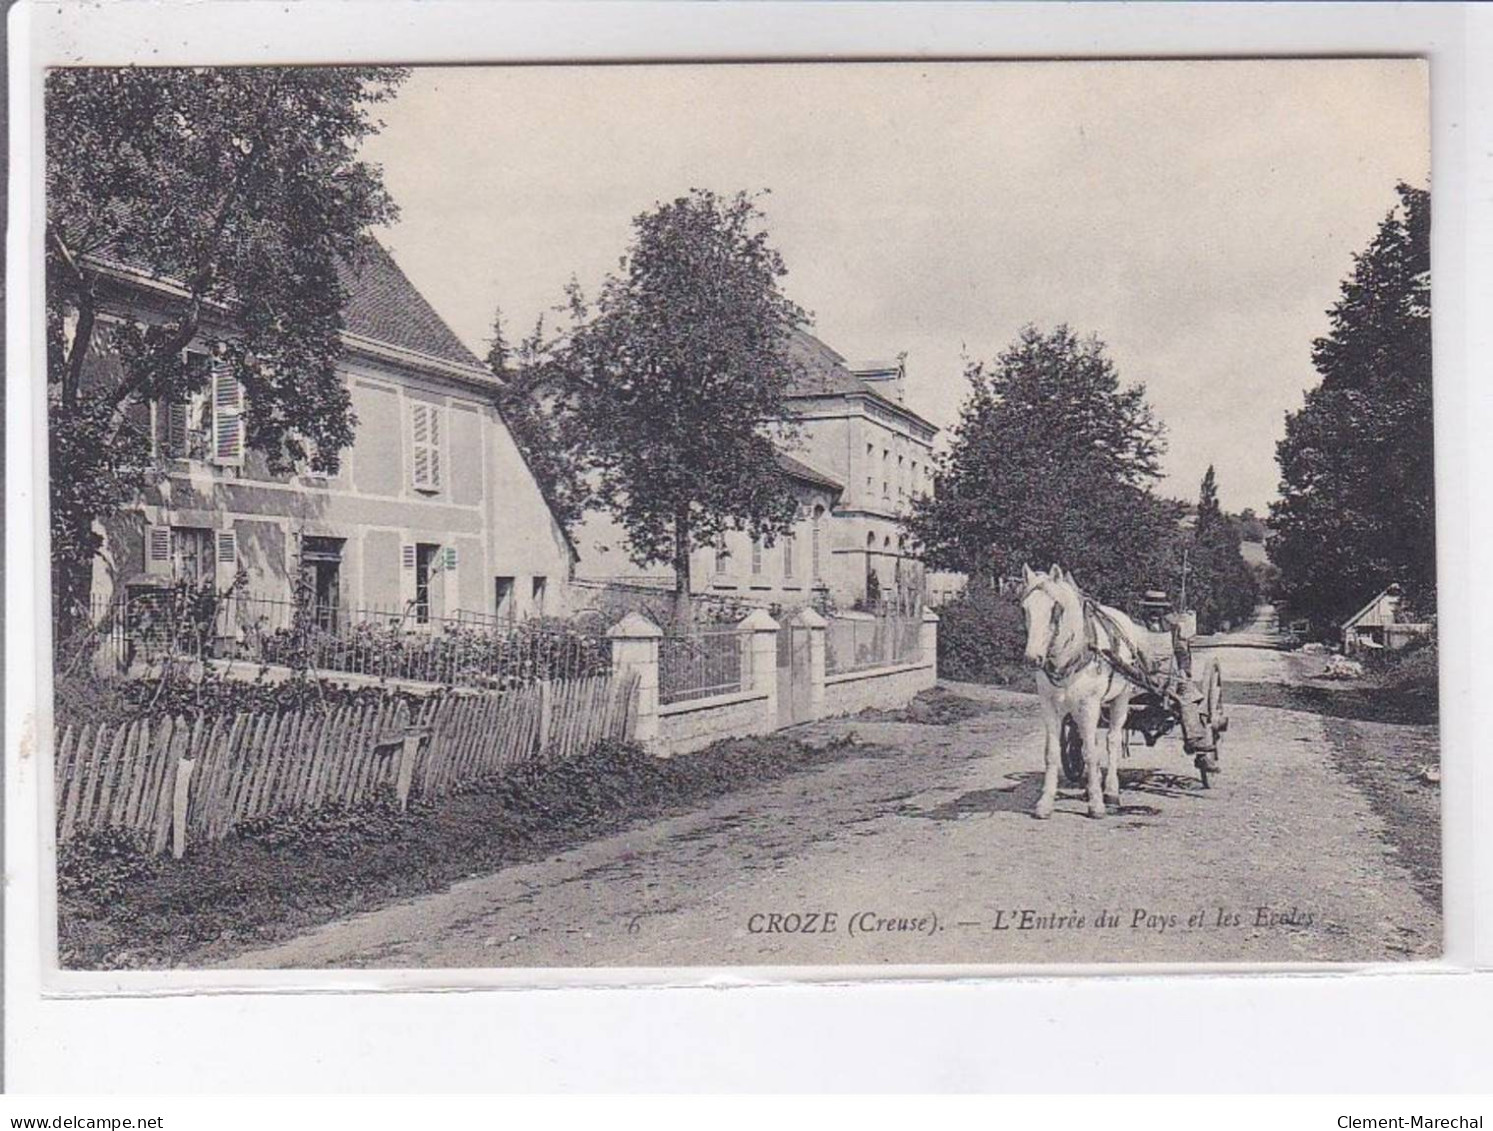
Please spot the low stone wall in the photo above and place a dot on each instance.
(884, 688)
(695, 723)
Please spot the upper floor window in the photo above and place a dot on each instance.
(209, 425)
(228, 415)
(426, 434)
(756, 556)
(788, 555)
(722, 556)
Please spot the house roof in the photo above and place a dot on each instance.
(1392, 590)
(825, 373)
(806, 474)
(384, 306)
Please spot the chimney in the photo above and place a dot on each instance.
(886, 377)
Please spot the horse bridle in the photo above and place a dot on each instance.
(1090, 651)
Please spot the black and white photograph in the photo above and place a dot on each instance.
(837, 515)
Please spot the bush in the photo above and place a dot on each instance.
(86, 698)
(101, 866)
(981, 635)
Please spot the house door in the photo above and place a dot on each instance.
(321, 579)
(794, 688)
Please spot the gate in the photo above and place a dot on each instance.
(794, 677)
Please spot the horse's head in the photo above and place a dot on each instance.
(1042, 605)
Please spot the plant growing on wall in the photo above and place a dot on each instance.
(241, 187)
(677, 371)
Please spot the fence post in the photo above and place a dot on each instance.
(635, 648)
(816, 624)
(179, 807)
(928, 642)
(760, 638)
(546, 712)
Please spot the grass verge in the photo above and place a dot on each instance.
(1387, 764)
(1414, 704)
(118, 908)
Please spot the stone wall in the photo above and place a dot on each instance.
(849, 692)
(693, 724)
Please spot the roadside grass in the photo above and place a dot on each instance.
(119, 908)
(1402, 689)
(1387, 764)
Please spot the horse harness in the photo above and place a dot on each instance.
(1093, 612)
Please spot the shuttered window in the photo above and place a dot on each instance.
(426, 428)
(228, 416)
(158, 549)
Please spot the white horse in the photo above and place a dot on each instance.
(1067, 638)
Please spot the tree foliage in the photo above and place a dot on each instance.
(1221, 586)
(538, 407)
(1052, 460)
(1357, 507)
(677, 375)
(242, 188)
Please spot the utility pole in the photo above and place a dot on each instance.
(1182, 600)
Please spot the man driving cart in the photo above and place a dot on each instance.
(1170, 636)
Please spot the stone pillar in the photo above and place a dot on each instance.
(928, 641)
(635, 648)
(759, 637)
(816, 625)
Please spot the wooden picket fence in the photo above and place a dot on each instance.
(177, 782)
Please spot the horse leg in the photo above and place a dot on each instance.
(1053, 725)
(1086, 715)
(1119, 711)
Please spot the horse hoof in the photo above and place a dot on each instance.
(1112, 799)
(1098, 812)
(1043, 810)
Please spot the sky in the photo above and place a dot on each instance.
(1198, 217)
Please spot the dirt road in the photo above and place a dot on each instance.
(923, 851)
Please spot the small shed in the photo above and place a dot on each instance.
(1377, 625)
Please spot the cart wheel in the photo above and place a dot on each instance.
(1071, 747)
(1212, 682)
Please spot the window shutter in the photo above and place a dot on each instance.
(176, 430)
(451, 557)
(226, 557)
(420, 445)
(435, 446)
(158, 549)
(407, 579)
(228, 422)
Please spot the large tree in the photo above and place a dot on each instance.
(242, 189)
(679, 371)
(1357, 508)
(1052, 460)
(1220, 585)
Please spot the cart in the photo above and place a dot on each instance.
(1164, 689)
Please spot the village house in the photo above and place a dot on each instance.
(859, 458)
(432, 515)
(1377, 625)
